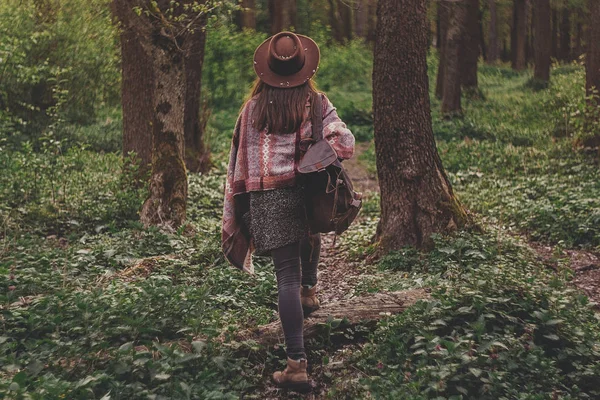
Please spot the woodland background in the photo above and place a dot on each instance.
(104, 295)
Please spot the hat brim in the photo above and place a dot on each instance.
(312, 55)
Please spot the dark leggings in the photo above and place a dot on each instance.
(290, 275)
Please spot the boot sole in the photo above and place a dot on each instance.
(300, 387)
(308, 310)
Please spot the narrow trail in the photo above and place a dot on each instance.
(337, 274)
(338, 277)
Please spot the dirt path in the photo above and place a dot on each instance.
(337, 278)
(337, 275)
(585, 266)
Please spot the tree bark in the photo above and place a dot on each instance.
(592, 61)
(565, 35)
(554, 34)
(361, 19)
(247, 16)
(482, 36)
(578, 48)
(283, 15)
(137, 81)
(197, 156)
(493, 46)
(345, 313)
(543, 40)
(372, 20)
(165, 53)
(469, 55)
(166, 203)
(340, 19)
(519, 50)
(443, 18)
(451, 99)
(416, 196)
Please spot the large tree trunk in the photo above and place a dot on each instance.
(443, 18)
(592, 61)
(520, 35)
(283, 15)
(366, 309)
(416, 196)
(543, 40)
(361, 19)
(197, 156)
(469, 54)
(166, 204)
(452, 68)
(493, 46)
(247, 16)
(137, 87)
(165, 53)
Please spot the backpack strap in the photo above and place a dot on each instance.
(317, 117)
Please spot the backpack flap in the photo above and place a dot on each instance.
(318, 156)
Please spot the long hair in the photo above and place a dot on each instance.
(280, 110)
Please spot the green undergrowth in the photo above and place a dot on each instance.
(94, 306)
(499, 325)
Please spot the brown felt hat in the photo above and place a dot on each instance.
(286, 60)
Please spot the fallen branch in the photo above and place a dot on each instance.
(362, 309)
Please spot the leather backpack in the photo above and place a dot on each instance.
(331, 202)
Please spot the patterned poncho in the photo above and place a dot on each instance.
(262, 161)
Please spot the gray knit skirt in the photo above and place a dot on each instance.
(276, 218)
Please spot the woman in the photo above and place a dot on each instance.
(264, 194)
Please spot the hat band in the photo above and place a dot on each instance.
(286, 67)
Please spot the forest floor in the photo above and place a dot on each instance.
(93, 305)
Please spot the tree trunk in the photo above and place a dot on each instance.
(365, 309)
(137, 81)
(482, 36)
(361, 19)
(452, 69)
(247, 16)
(340, 19)
(493, 47)
(372, 20)
(469, 54)
(529, 52)
(565, 35)
(166, 204)
(554, 34)
(520, 35)
(543, 40)
(443, 16)
(416, 196)
(346, 18)
(197, 156)
(578, 48)
(283, 15)
(592, 61)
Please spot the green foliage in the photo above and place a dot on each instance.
(59, 189)
(499, 326)
(56, 58)
(128, 311)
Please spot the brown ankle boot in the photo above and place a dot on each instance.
(309, 300)
(294, 377)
